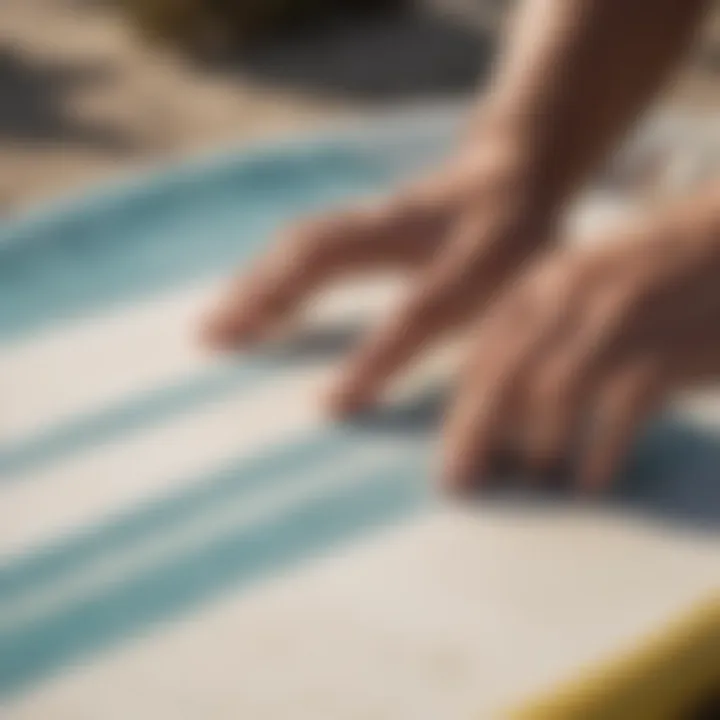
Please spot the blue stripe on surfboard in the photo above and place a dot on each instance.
(150, 407)
(168, 231)
(32, 653)
(235, 479)
(110, 423)
(61, 264)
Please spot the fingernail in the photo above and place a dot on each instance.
(455, 477)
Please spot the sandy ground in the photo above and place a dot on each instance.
(81, 98)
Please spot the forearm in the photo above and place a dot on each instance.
(574, 76)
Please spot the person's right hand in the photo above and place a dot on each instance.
(464, 231)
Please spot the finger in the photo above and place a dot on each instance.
(559, 392)
(539, 368)
(397, 234)
(467, 273)
(482, 418)
(624, 404)
(551, 418)
(475, 432)
(586, 345)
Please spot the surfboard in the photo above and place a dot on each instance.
(186, 535)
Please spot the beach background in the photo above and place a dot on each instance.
(82, 97)
(172, 545)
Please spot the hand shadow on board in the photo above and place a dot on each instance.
(673, 473)
(316, 343)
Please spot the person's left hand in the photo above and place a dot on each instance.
(585, 346)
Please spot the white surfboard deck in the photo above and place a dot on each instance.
(185, 536)
(443, 612)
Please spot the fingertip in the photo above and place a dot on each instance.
(460, 472)
(357, 386)
(211, 333)
(455, 466)
(455, 482)
(344, 399)
(221, 333)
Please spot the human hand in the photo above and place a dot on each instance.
(464, 231)
(576, 355)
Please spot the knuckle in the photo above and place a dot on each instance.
(429, 307)
(434, 298)
(313, 244)
(550, 287)
(554, 389)
(617, 314)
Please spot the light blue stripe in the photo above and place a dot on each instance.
(111, 423)
(154, 406)
(187, 223)
(234, 480)
(32, 653)
(169, 230)
(89, 263)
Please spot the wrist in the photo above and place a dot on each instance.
(500, 174)
(520, 146)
